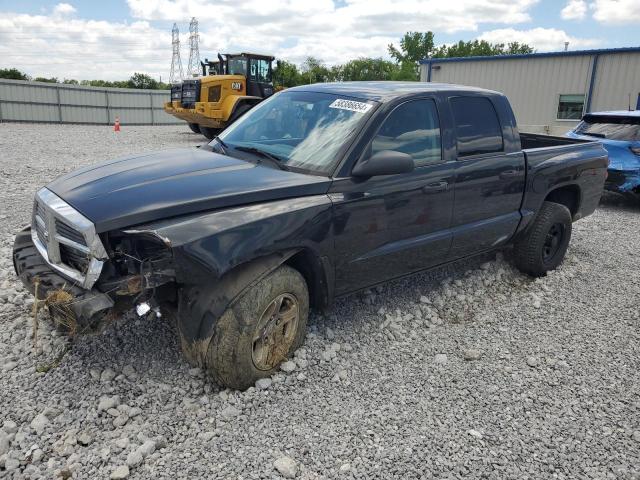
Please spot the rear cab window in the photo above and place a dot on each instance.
(478, 128)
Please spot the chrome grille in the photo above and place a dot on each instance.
(39, 222)
(69, 232)
(66, 239)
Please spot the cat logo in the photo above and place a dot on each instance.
(236, 85)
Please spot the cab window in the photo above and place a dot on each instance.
(412, 128)
(259, 71)
(477, 126)
(237, 66)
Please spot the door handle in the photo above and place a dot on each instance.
(509, 174)
(436, 187)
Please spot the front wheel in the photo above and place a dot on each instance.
(258, 332)
(543, 246)
(195, 128)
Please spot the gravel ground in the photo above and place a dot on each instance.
(469, 371)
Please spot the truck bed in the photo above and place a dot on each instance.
(536, 140)
(553, 162)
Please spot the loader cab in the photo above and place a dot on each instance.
(257, 69)
(210, 67)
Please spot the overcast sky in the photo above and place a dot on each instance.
(112, 39)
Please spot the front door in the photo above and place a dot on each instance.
(489, 179)
(259, 78)
(388, 226)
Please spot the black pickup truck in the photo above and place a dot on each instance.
(317, 192)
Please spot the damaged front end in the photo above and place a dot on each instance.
(140, 271)
(82, 277)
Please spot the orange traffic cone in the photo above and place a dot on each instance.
(116, 125)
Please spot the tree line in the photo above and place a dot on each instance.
(413, 47)
(137, 80)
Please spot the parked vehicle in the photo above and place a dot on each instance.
(317, 192)
(619, 133)
(227, 89)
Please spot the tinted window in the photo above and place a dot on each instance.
(570, 107)
(412, 128)
(477, 126)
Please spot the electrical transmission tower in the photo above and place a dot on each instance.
(194, 53)
(176, 64)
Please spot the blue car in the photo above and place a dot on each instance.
(619, 133)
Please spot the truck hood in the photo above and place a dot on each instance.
(144, 188)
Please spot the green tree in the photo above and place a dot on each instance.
(478, 48)
(414, 46)
(286, 74)
(406, 72)
(515, 48)
(70, 81)
(142, 80)
(367, 69)
(46, 80)
(13, 74)
(313, 71)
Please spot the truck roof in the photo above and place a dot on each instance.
(382, 91)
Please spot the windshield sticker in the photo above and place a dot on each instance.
(343, 104)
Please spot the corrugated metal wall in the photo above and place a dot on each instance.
(22, 101)
(534, 85)
(617, 81)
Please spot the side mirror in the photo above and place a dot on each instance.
(385, 162)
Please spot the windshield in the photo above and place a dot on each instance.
(610, 127)
(303, 130)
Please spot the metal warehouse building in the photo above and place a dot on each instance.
(549, 92)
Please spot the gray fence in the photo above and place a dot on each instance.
(22, 101)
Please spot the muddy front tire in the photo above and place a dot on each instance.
(195, 128)
(257, 333)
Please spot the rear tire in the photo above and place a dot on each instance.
(209, 132)
(543, 246)
(253, 336)
(195, 128)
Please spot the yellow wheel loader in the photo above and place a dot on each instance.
(227, 89)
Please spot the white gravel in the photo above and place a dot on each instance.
(470, 371)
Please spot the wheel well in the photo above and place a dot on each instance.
(250, 102)
(569, 196)
(311, 268)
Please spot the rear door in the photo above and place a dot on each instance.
(392, 225)
(490, 174)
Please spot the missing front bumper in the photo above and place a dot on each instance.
(82, 309)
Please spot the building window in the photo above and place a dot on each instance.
(570, 107)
